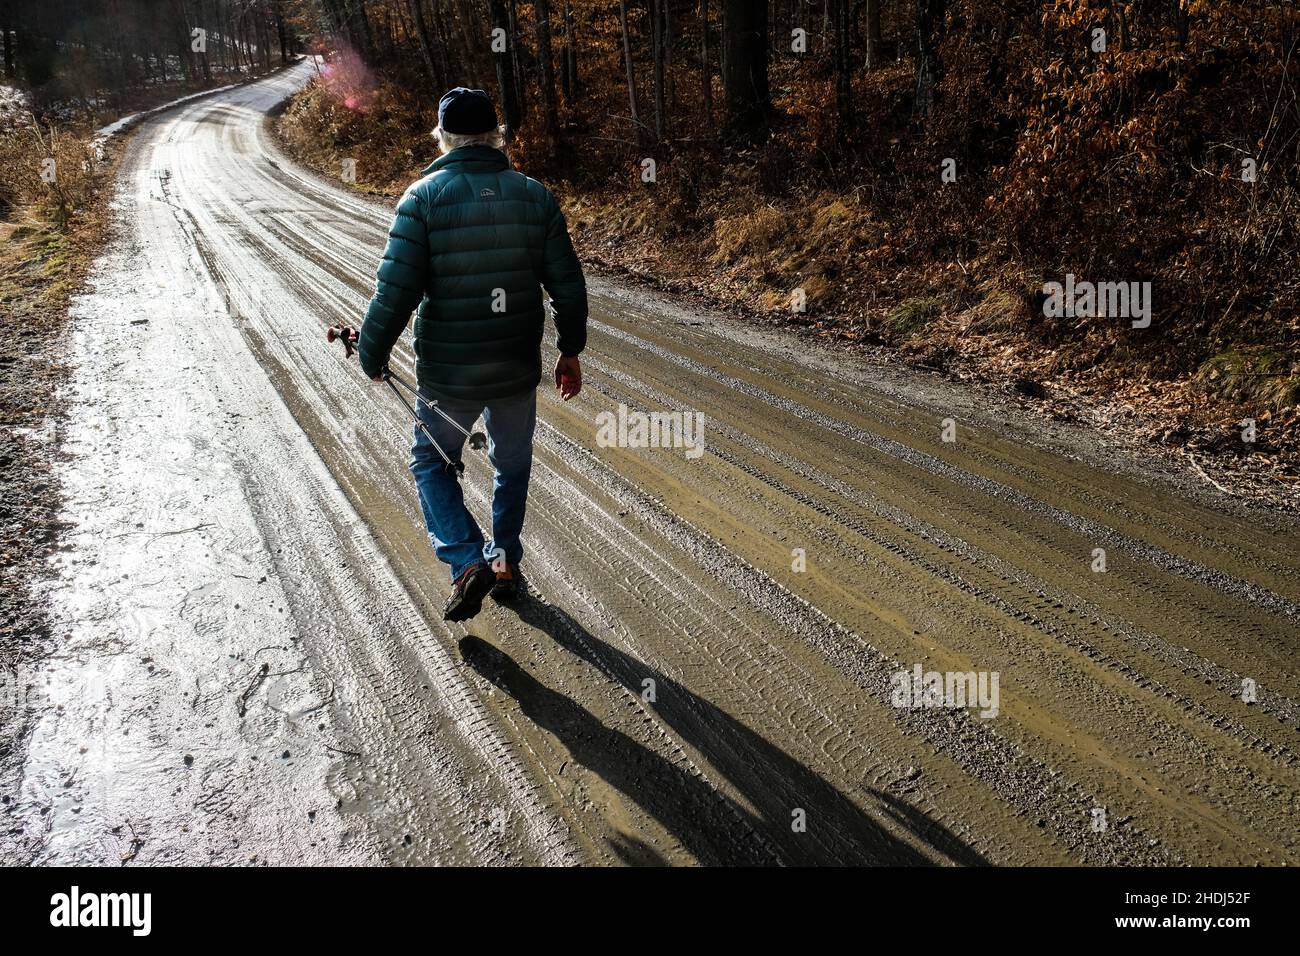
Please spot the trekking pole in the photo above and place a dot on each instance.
(348, 335)
(477, 440)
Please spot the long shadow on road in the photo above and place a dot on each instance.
(717, 830)
(683, 802)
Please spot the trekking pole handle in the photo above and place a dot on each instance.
(347, 334)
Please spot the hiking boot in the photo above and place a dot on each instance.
(468, 592)
(506, 587)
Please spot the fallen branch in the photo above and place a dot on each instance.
(1196, 466)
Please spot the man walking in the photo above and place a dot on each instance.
(472, 245)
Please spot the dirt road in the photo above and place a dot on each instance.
(255, 667)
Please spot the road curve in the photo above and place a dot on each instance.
(704, 670)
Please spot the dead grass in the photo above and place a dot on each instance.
(745, 239)
(915, 314)
(998, 311)
(387, 138)
(50, 175)
(1254, 376)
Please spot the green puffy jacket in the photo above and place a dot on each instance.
(472, 244)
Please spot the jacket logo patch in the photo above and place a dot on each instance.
(486, 193)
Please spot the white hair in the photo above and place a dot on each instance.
(496, 138)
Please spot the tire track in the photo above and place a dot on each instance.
(771, 697)
(1164, 560)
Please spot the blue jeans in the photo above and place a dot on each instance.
(453, 531)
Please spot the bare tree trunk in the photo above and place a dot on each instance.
(929, 27)
(280, 32)
(744, 62)
(203, 24)
(521, 87)
(706, 69)
(506, 87)
(550, 108)
(181, 18)
(442, 38)
(843, 71)
(873, 34)
(422, 36)
(668, 54)
(569, 60)
(657, 36)
(230, 40)
(248, 44)
(264, 39)
(366, 36)
(217, 22)
(120, 75)
(631, 72)
(469, 48)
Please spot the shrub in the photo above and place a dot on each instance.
(28, 152)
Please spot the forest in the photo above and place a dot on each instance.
(81, 52)
(896, 174)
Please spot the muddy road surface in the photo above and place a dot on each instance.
(253, 666)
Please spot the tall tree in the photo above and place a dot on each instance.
(203, 56)
(659, 42)
(744, 63)
(872, 38)
(929, 28)
(550, 108)
(367, 49)
(706, 68)
(670, 93)
(502, 53)
(569, 58)
(631, 70)
(843, 69)
(280, 32)
(516, 61)
(464, 19)
(426, 45)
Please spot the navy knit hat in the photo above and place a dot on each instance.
(466, 111)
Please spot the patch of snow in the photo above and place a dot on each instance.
(126, 122)
(15, 106)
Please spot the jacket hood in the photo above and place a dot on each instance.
(474, 158)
